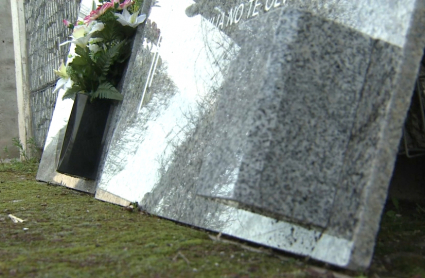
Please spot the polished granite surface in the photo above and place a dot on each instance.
(55, 136)
(267, 120)
(273, 121)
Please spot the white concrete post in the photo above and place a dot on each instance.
(21, 71)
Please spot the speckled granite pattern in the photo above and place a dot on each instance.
(293, 136)
(274, 121)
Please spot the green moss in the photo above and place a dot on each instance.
(400, 248)
(70, 234)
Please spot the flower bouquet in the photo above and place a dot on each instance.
(101, 45)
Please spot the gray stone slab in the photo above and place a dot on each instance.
(59, 120)
(52, 149)
(273, 121)
(285, 134)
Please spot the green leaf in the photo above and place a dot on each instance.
(396, 203)
(104, 61)
(391, 214)
(106, 90)
(79, 61)
(136, 6)
(70, 93)
(111, 31)
(83, 53)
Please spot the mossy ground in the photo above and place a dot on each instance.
(70, 234)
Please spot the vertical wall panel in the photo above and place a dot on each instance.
(45, 31)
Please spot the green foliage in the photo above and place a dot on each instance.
(106, 90)
(15, 166)
(5, 150)
(102, 59)
(400, 236)
(420, 209)
(137, 6)
(90, 71)
(108, 17)
(90, 74)
(34, 152)
(29, 161)
(396, 204)
(70, 93)
(391, 213)
(106, 59)
(70, 234)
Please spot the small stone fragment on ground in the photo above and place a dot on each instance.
(15, 219)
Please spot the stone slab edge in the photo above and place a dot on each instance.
(391, 131)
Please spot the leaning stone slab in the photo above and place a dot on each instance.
(273, 121)
(52, 150)
(55, 137)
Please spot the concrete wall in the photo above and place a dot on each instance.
(8, 102)
(44, 32)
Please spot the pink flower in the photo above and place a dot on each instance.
(98, 12)
(125, 4)
(106, 6)
(68, 24)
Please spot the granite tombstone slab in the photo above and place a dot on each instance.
(270, 120)
(52, 149)
(56, 134)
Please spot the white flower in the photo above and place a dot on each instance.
(98, 26)
(61, 72)
(132, 20)
(65, 81)
(95, 40)
(79, 31)
(94, 48)
(82, 33)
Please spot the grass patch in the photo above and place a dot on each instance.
(70, 234)
(26, 168)
(400, 246)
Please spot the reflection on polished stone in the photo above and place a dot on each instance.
(272, 121)
(55, 137)
(52, 149)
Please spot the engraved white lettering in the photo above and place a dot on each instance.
(254, 11)
(267, 7)
(235, 14)
(250, 6)
(231, 17)
(240, 11)
(221, 24)
(217, 19)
